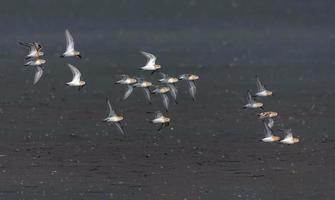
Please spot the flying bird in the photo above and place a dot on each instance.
(261, 91)
(35, 49)
(268, 114)
(151, 63)
(252, 103)
(171, 83)
(190, 78)
(76, 82)
(145, 85)
(37, 64)
(129, 81)
(269, 137)
(161, 119)
(289, 139)
(162, 90)
(114, 118)
(70, 51)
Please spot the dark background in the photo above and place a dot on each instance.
(56, 146)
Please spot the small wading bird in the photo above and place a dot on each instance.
(37, 63)
(34, 49)
(114, 118)
(252, 103)
(145, 85)
(190, 78)
(151, 63)
(129, 81)
(70, 51)
(269, 114)
(162, 90)
(269, 137)
(161, 119)
(76, 82)
(289, 139)
(171, 83)
(261, 91)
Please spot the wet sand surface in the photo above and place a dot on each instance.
(54, 146)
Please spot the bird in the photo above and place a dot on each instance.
(76, 82)
(145, 85)
(269, 137)
(70, 51)
(129, 81)
(268, 114)
(161, 119)
(252, 103)
(162, 90)
(35, 49)
(168, 79)
(190, 78)
(151, 63)
(289, 139)
(261, 91)
(171, 83)
(35, 62)
(114, 118)
(126, 80)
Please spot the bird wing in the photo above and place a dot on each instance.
(192, 89)
(119, 126)
(75, 72)
(38, 74)
(151, 59)
(158, 114)
(164, 76)
(165, 100)
(31, 46)
(249, 98)
(270, 122)
(128, 92)
(69, 41)
(110, 109)
(147, 94)
(267, 129)
(288, 133)
(260, 86)
(173, 91)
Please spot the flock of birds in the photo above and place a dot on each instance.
(268, 117)
(168, 83)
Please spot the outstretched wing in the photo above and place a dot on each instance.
(158, 114)
(119, 126)
(165, 100)
(38, 74)
(147, 94)
(110, 109)
(128, 92)
(192, 89)
(267, 129)
(260, 86)
(75, 72)
(173, 91)
(69, 41)
(151, 59)
(270, 122)
(164, 76)
(31, 46)
(288, 133)
(249, 98)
